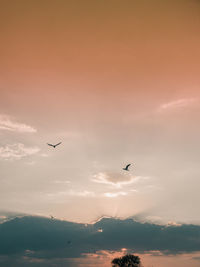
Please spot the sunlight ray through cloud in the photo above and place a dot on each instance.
(117, 194)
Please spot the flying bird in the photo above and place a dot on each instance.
(127, 167)
(51, 217)
(54, 145)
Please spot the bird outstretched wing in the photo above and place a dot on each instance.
(58, 144)
(128, 166)
(54, 145)
(50, 144)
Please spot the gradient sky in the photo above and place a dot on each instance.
(117, 82)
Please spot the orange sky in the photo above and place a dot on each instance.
(79, 56)
(152, 259)
(86, 51)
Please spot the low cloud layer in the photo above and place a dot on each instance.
(50, 238)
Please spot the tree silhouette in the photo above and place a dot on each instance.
(126, 261)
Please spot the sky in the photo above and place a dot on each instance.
(116, 82)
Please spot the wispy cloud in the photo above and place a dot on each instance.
(72, 193)
(17, 151)
(61, 182)
(2, 217)
(179, 103)
(171, 223)
(7, 123)
(117, 194)
(116, 179)
(84, 193)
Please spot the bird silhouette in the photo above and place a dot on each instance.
(51, 217)
(127, 167)
(54, 145)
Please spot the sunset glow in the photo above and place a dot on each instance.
(117, 83)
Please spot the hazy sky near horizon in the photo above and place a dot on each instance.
(117, 82)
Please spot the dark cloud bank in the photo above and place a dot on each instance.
(37, 241)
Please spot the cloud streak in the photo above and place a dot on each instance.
(72, 193)
(117, 194)
(6, 123)
(180, 103)
(84, 193)
(109, 234)
(17, 151)
(61, 182)
(116, 179)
